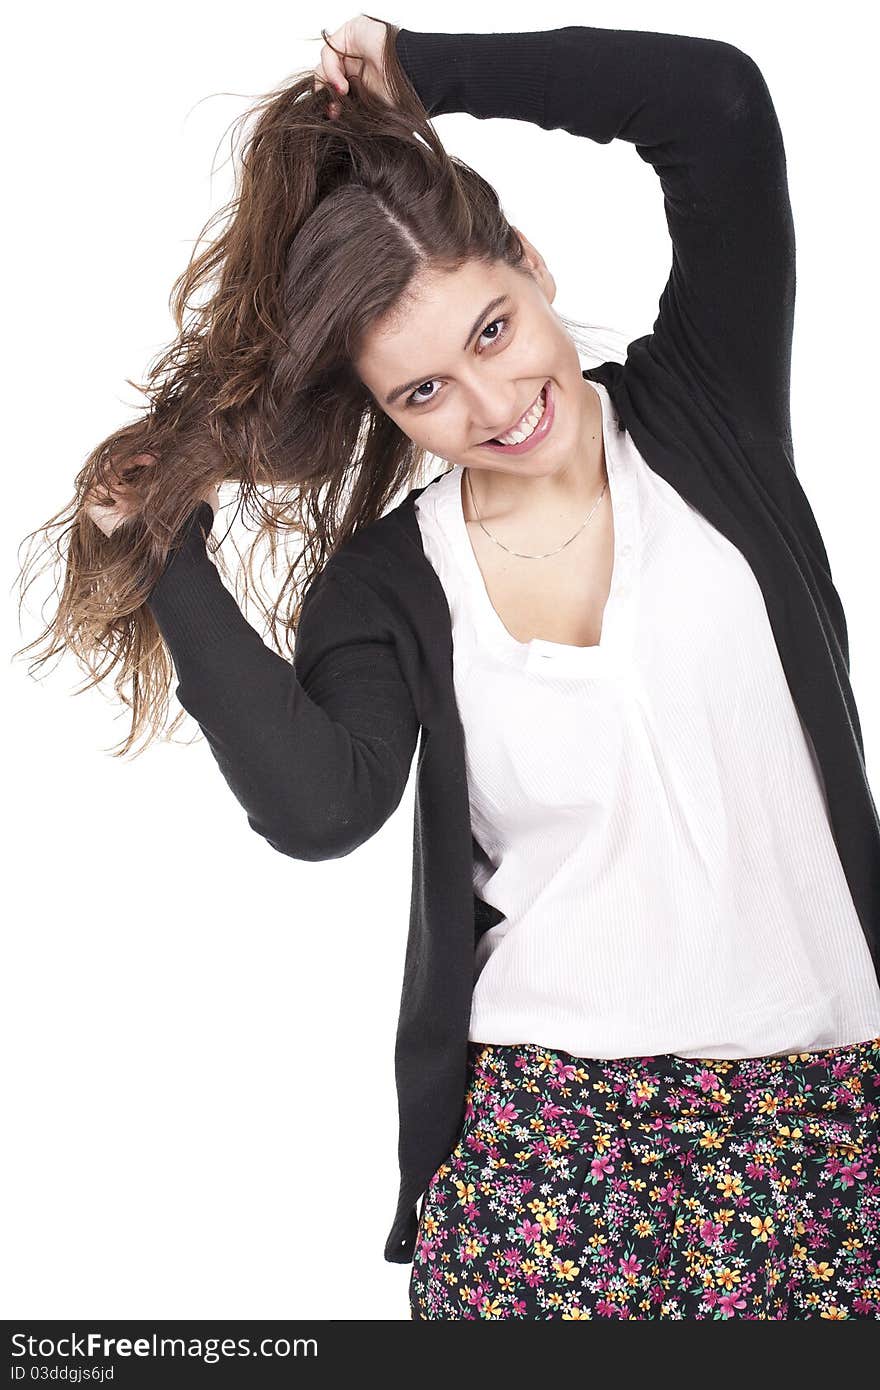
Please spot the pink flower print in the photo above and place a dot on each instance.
(606, 1309)
(600, 1167)
(707, 1081)
(865, 1307)
(851, 1172)
(530, 1231)
(550, 1111)
(505, 1114)
(670, 1193)
(564, 1071)
(729, 1302)
(630, 1266)
(710, 1231)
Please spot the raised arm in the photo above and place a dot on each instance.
(699, 112)
(317, 751)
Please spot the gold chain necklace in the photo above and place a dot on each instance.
(519, 552)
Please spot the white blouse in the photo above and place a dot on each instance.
(648, 813)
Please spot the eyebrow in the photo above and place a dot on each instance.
(477, 324)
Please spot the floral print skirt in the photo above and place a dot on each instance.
(657, 1187)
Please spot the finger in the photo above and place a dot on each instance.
(333, 66)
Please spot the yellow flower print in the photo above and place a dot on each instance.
(490, 1308)
(768, 1104)
(644, 1090)
(555, 1300)
(547, 1220)
(851, 1243)
(465, 1190)
(711, 1139)
(799, 1252)
(721, 1097)
(543, 1249)
(727, 1278)
(603, 1141)
(529, 1267)
(472, 1248)
(786, 1132)
(730, 1185)
(644, 1228)
(566, 1269)
(838, 1314)
(576, 1313)
(536, 1205)
(821, 1271)
(762, 1227)
(559, 1142)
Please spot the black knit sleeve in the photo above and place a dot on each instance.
(699, 112)
(317, 751)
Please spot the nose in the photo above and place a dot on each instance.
(492, 410)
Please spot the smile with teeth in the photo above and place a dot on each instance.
(527, 425)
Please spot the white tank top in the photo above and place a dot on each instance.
(648, 813)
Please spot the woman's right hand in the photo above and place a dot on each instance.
(362, 42)
(107, 519)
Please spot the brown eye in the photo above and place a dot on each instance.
(414, 400)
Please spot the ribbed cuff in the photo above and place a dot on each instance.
(483, 75)
(192, 607)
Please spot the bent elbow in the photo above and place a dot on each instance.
(739, 87)
(316, 842)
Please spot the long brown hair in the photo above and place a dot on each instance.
(329, 223)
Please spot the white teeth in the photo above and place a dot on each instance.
(528, 425)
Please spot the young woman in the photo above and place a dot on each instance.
(638, 1046)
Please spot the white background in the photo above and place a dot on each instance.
(197, 1032)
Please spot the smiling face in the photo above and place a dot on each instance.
(468, 354)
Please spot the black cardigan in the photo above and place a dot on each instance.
(319, 751)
